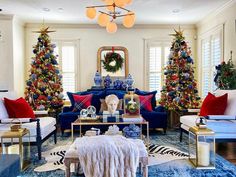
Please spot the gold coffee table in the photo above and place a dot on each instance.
(12, 143)
(99, 121)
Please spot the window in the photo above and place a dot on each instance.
(157, 60)
(211, 56)
(66, 51)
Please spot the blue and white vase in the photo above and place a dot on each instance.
(129, 81)
(97, 79)
(107, 81)
(118, 84)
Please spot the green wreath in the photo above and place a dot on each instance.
(112, 62)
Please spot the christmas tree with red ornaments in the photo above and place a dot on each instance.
(44, 86)
(180, 89)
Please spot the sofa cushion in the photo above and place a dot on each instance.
(231, 103)
(47, 125)
(18, 108)
(218, 126)
(153, 93)
(82, 102)
(213, 105)
(3, 111)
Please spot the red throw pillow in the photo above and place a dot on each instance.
(213, 105)
(82, 102)
(18, 108)
(146, 102)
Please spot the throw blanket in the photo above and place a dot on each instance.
(107, 156)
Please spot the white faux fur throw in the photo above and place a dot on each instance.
(107, 156)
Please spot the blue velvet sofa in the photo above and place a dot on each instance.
(156, 118)
(10, 165)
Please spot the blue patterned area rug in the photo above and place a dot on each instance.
(176, 168)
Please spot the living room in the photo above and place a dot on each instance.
(150, 37)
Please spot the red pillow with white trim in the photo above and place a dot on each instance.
(146, 102)
(18, 108)
(213, 105)
(82, 102)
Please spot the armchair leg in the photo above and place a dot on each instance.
(39, 150)
(181, 135)
(164, 130)
(55, 136)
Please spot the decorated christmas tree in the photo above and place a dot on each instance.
(180, 89)
(225, 78)
(44, 87)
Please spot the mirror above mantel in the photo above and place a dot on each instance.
(113, 61)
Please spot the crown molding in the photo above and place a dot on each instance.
(216, 12)
(6, 17)
(96, 26)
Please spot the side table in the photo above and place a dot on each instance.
(17, 142)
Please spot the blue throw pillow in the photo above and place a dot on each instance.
(144, 93)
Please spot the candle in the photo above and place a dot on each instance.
(203, 154)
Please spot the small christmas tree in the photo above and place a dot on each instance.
(225, 78)
(44, 87)
(180, 89)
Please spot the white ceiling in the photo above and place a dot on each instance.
(147, 11)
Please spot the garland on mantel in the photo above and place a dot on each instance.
(112, 61)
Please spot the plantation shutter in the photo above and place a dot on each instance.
(157, 59)
(211, 57)
(206, 78)
(67, 63)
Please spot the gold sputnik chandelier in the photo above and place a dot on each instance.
(114, 9)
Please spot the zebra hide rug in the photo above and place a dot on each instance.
(157, 155)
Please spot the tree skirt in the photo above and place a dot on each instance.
(158, 155)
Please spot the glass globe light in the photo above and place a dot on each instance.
(120, 3)
(111, 27)
(128, 21)
(109, 2)
(91, 12)
(128, 1)
(103, 19)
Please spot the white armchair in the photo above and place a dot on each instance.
(41, 128)
(224, 128)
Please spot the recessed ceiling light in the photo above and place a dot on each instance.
(176, 11)
(60, 9)
(46, 9)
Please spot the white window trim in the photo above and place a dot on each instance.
(77, 59)
(208, 35)
(151, 43)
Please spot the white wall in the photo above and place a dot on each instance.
(93, 37)
(225, 19)
(6, 53)
(225, 16)
(18, 56)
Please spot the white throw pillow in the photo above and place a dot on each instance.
(231, 103)
(3, 111)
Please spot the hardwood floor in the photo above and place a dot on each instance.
(227, 150)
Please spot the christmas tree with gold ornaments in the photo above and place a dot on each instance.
(180, 89)
(44, 87)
